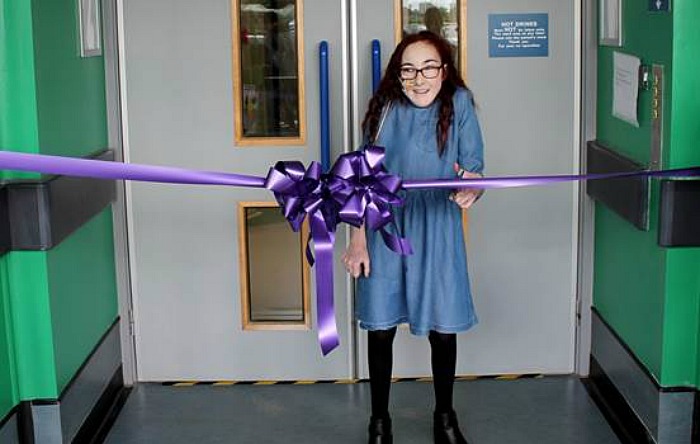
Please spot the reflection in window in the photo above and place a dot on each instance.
(273, 271)
(439, 16)
(269, 72)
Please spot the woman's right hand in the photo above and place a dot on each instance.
(356, 258)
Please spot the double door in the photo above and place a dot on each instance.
(220, 288)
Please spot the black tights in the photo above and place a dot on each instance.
(380, 356)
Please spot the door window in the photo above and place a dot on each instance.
(267, 68)
(443, 17)
(274, 274)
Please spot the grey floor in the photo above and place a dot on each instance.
(548, 410)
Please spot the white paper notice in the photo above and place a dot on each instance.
(625, 87)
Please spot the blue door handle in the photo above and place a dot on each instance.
(325, 113)
(376, 64)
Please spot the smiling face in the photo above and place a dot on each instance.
(421, 56)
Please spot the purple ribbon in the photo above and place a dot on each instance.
(103, 169)
(301, 192)
(530, 181)
(366, 192)
(357, 190)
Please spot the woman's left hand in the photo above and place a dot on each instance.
(466, 197)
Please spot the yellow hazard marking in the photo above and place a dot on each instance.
(467, 378)
(508, 377)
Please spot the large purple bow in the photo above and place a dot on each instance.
(357, 190)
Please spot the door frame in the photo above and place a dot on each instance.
(117, 129)
(588, 55)
(116, 86)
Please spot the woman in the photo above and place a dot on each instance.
(423, 114)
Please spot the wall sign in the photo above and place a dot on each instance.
(89, 28)
(610, 22)
(518, 35)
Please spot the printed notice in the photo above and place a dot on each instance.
(519, 35)
(625, 87)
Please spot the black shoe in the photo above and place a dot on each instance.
(380, 431)
(446, 430)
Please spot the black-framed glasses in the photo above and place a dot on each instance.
(428, 72)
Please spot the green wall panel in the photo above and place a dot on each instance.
(70, 89)
(681, 318)
(681, 364)
(629, 284)
(648, 36)
(18, 104)
(83, 293)
(685, 127)
(31, 321)
(629, 266)
(8, 386)
(650, 295)
(72, 122)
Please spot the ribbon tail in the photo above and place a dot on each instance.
(323, 248)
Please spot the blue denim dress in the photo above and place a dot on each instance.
(429, 289)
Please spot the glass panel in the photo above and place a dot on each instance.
(438, 16)
(275, 267)
(269, 68)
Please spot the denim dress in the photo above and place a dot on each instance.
(429, 289)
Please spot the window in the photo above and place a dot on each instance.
(274, 272)
(268, 72)
(443, 17)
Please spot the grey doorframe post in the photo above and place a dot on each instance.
(111, 13)
(586, 235)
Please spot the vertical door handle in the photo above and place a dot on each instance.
(376, 64)
(325, 112)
